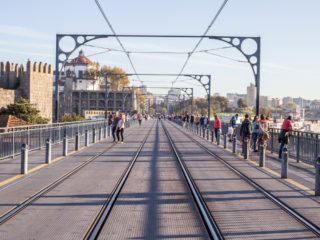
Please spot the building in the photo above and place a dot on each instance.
(251, 95)
(276, 102)
(285, 100)
(315, 105)
(234, 97)
(265, 101)
(95, 100)
(75, 74)
(33, 82)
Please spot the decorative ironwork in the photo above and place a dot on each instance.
(253, 58)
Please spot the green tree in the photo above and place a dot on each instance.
(290, 105)
(219, 103)
(24, 110)
(71, 118)
(242, 103)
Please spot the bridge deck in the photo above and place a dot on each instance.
(155, 202)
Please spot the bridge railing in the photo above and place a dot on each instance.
(35, 136)
(303, 146)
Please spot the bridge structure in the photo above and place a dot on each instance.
(168, 180)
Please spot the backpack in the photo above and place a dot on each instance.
(246, 130)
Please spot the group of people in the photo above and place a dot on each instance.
(117, 122)
(257, 132)
(199, 120)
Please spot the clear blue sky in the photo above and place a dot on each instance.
(289, 30)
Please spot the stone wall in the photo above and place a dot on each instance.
(33, 83)
(7, 97)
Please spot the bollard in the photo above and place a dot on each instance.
(48, 151)
(262, 157)
(234, 144)
(77, 142)
(284, 163)
(197, 130)
(225, 141)
(100, 134)
(218, 137)
(317, 180)
(24, 159)
(212, 136)
(105, 132)
(65, 146)
(245, 149)
(86, 138)
(94, 135)
(208, 134)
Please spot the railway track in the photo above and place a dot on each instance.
(98, 223)
(210, 223)
(15, 210)
(307, 223)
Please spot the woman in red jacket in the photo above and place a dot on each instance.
(217, 127)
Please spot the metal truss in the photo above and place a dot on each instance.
(253, 58)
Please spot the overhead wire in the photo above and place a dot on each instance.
(117, 38)
(200, 40)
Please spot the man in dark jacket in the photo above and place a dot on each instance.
(246, 130)
(114, 125)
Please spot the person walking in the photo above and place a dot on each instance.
(284, 135)
(217, 127)
(233, 125)
(192, 120)
(255, 133)
(140, 119)
(246, 130)
(110, 119)
(197, 120)
(263, 131)
(201, 121)
(114, 125)
(205, 121)
(120, 128)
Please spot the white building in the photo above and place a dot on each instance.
(75, 74)
(251, 95)
(234, 97)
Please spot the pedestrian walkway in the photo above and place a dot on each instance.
(156, 202)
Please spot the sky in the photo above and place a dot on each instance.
(289, 31)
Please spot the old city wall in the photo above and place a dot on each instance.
(33, 83)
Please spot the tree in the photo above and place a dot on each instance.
(24, 110)
(71, 118)
(290, 105)
(242, 103)
(219, 103)
(117, 76)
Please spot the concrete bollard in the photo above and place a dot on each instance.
(86, 138)
(65, 146)
(246, 150)
(24, 158)
(317, 180)
(77, 142)
(105, 132)
(93, 135)
(284, 163)
(262, 156)
(99, 134)
(48, 151)
(225, 141)
(234, 144)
